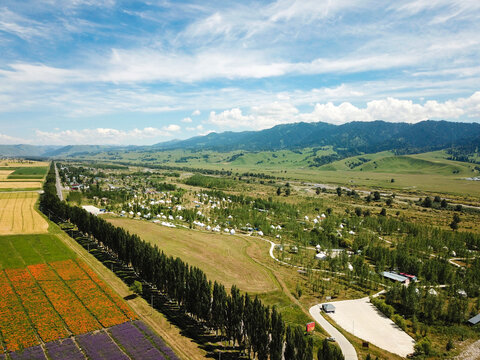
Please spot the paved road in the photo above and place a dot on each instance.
(347, 348)
(57, 184)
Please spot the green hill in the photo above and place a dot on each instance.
(412, 165)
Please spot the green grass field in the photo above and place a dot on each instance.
(426, 172)
(19, 251)
(34, 172)
(222, 257)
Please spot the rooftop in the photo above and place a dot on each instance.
(394, 276)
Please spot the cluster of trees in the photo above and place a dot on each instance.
(243, 321)
(209, 182)
(329, 352)
(427, 305)
(164, 186)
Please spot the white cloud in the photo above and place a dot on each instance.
(103, 136)
(389, 109)
(187, 120)
(39, 73)
(196, 113)
(172, 127)
(11, 140)
(20, 26)
(261, 117)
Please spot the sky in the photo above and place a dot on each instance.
(143, 72)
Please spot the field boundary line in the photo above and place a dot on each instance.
(120, 346)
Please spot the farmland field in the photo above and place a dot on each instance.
(130, 340)
(31, 185)
(17, 214)
(222, 257)
(4, 174)
(46, 302)
(21, 250)
(22, 163)
(33, 172)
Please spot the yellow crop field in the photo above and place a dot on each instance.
(22, 163)
(4, 174)
(18, 216)
(20, 184)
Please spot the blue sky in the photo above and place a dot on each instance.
(142, 72)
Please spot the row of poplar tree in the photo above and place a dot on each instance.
(242, 320)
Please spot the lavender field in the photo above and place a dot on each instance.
(64, 349)
(130, 340)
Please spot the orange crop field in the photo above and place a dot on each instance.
(16, 330)
(43, 316)
(50, 301)
(75, 315)
(94, 299)
(115, 298)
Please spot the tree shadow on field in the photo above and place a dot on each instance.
(189, 327)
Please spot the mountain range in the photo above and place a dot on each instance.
(355, 137)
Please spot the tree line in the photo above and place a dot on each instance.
(244, 321)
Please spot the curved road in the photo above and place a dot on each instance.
(347, 348)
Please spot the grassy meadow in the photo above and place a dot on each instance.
(222, 257)
(426, 172)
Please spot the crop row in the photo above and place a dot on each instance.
(95, 300)
(114, 297)
(17, 333)
(44, 318)
(130, 340)
(46, 302)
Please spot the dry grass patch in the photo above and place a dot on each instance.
(223, 258)
(18, 215)
(20, 184)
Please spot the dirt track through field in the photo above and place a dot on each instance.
(18, 215)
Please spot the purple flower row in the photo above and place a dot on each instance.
(64, 349)
(157, 340)
(31, 353)
(136, 338)
(134, 342)
(99, 346)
